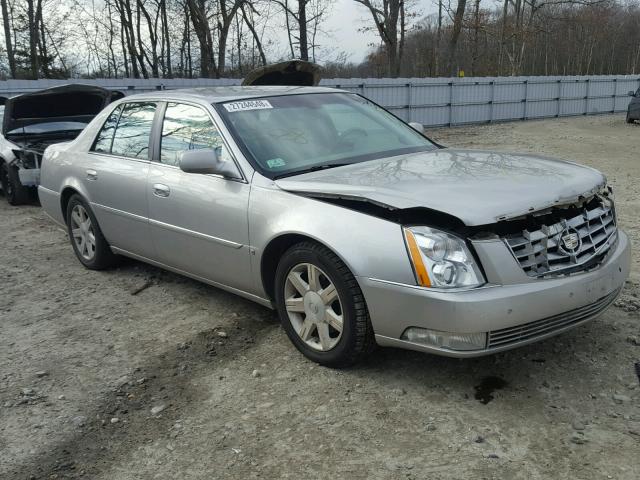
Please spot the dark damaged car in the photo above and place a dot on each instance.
(33, 121)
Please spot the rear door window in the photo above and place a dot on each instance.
(131, 138)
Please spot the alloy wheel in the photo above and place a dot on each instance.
(313, 306)
(83, 233)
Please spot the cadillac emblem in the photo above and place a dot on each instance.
(570, 241)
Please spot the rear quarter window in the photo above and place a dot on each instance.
(105, 135)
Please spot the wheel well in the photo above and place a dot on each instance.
(272, 255)
(64, 200)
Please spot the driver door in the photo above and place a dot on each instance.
(198, 222)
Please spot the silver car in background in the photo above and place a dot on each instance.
(353, 225)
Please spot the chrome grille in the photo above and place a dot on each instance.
(506, 336)
(543, 251)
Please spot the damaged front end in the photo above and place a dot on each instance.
(28, 163)
(33, 121)
(568, 238)
(562, 241)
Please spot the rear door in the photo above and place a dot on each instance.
(198, 222)
(116, 177)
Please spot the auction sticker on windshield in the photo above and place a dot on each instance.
(247, 105)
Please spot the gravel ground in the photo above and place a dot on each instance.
(136, 373)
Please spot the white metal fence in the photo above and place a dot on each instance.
(433, 101)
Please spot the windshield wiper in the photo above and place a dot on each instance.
(315, 168)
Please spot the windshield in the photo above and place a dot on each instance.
(48, 127)
(293, 134)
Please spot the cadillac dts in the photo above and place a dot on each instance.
(352, 224)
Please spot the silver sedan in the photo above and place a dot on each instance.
(357, 228)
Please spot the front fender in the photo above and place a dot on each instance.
(370, 246)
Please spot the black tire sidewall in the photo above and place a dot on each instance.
(10, 177)
(344, 349)
(103, 255)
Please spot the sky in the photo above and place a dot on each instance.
(348, 17)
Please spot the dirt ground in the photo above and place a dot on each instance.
(136, 373)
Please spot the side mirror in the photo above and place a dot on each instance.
(417, 126)
(207, 161)
(632, 93)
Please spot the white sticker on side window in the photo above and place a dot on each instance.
(247, 105)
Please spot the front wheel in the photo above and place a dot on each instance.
(87, 240)
(321, 306)
(14, 191)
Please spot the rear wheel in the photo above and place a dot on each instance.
(321, 306)
(14, 191)
(85, 235)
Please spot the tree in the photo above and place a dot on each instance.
(7, 38)
(455, 36)
(389, 17)
(303, 20)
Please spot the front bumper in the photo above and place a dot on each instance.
(511, 315)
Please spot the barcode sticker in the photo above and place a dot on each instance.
(245, 105)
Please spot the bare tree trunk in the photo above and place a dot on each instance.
(386, 22)
(226, 17)
(126, 19)
(152, 28)
(288, 24)
(33, 38)
(42, 42)
(302, 25)
(436, 59)
(7, 38)
(455, 36)
(476, 31)
(165, 26)
(127, 72)
(140, 53)
(201, 27)
(503, 35)
(256, 37)
(112, 55)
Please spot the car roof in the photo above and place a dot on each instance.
(226, 94)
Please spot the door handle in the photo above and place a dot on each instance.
(92, 174)
(160, 190)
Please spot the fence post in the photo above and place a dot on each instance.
(586, 98)
(493, 97)
(615, 93)
(451, 103)
(526, 97)
(559, 97)
(409, 102)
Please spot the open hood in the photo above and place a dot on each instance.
(66, 103)
(474, 186)
(292, 72)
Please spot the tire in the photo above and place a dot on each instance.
(14, 191)
(629, 119)
(100, 256)
(305, 316)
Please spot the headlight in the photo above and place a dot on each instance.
(441, 260)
